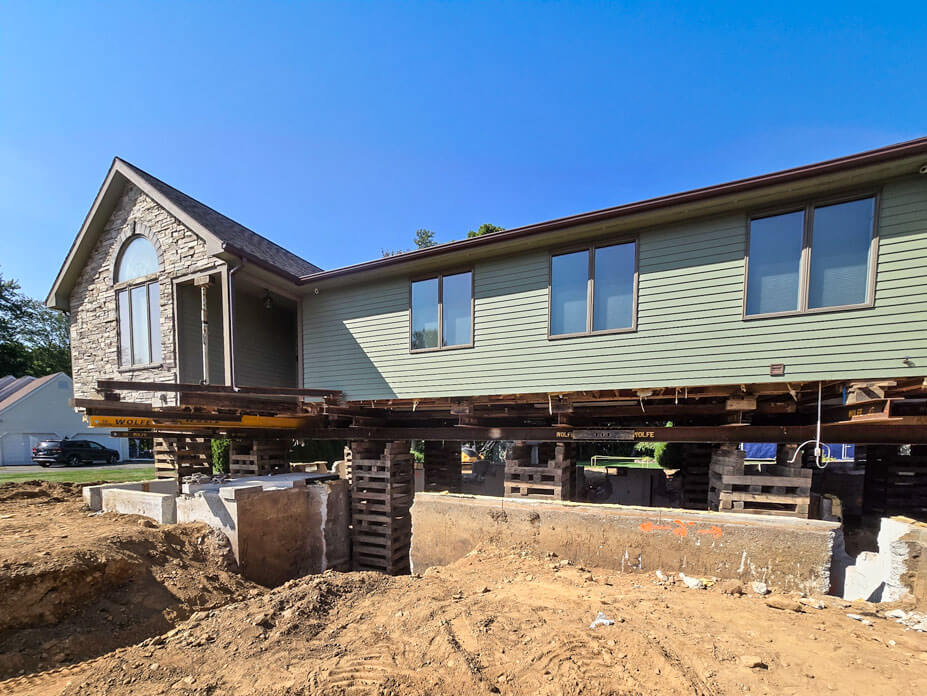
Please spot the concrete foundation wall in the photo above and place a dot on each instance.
(161, 507)
(898, 571)
(278, 534)
(786, 553)
(93, 495)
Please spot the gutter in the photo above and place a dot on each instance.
(260, 263)
(870, 157)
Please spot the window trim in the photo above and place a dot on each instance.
(590, 248)
(804, 269)
(146, 282)
(440, 277)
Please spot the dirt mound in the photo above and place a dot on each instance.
(40, 491)
(76, 584)
(497, 622)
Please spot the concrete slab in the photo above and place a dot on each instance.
(787, 553)
(273, 482)
(161, 507)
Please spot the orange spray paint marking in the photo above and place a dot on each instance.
(714, 531)
(681, 530)
(650, 526)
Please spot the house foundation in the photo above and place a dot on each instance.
(786, 553)
(279, 527)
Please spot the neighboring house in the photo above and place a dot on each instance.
(33, 409)
(818, 270)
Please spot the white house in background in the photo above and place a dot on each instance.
(37, 408)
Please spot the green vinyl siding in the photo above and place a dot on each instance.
(690, 328)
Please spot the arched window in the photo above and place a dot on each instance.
(138, 304)
(137, 259)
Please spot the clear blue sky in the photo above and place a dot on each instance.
(338, 129)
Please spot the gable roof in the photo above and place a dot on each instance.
(23, 387)
(222, 234)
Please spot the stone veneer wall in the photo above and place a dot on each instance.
(94, 336)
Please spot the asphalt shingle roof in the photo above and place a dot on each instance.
(229, 231)
(25, 386)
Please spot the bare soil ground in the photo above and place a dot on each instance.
(74, 585)
(505, 622)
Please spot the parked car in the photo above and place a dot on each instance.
(73, 453)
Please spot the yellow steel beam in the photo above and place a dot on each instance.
(270, 422)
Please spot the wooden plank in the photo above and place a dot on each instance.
(791, 481)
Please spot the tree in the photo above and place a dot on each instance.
(34, 340)
(424, 238)
(485, 228)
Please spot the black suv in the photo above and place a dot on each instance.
(73, 453)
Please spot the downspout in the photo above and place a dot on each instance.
(232, 272)
(204, 327)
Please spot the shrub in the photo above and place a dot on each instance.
(220, 455)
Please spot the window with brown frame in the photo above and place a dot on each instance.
(593, 290)
(817, 257)
(441, 312)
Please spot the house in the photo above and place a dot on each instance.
(33, 409)
(749, 311)
(815, 269)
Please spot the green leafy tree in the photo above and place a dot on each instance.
(424, 238)
(485, 228)
(34, 340)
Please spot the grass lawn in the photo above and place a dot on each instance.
(81, 475)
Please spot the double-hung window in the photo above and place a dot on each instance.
(441, 312)
(138, 304)
(814, 258)
(593, 290)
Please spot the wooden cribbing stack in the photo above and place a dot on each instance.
(259, 457)
(381, 495)
(896, 479)
(762, 489)
(551, 478)
(694, 472)
(184, 455)
(442, 466)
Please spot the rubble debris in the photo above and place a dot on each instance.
(692, 583)
(601, 620)
(731, 587)
(759, 588)
(911, 619)
(783, 604)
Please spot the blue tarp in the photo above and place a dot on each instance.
(767, 450)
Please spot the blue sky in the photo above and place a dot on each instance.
(338, 129)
